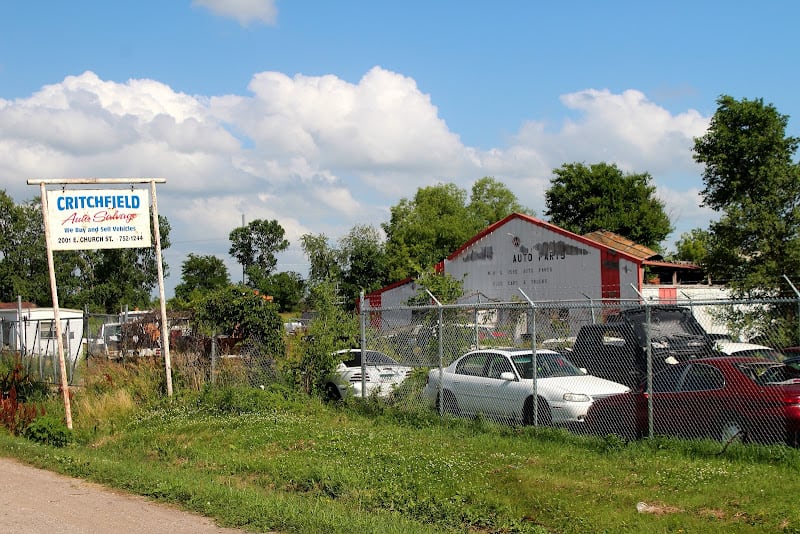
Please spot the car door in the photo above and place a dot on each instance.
(502, 397)
(665, 384)
(495, 397)
(466, 382)
(691, 405)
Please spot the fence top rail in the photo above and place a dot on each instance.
(584, 304)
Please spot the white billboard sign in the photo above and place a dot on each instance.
(98, 218)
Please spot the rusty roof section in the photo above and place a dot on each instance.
(622, 244)
(13, 305)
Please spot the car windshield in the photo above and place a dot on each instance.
(768, 373)
(667, 324)
(547, 365)
(379, 358)
(373, 358)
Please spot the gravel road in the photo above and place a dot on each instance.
(37, 501)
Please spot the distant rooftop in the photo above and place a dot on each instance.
(622, 244)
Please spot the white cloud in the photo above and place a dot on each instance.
(243, 11)
(319, 154)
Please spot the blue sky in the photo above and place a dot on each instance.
(323, 115)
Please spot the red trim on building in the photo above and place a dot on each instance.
(553, 228)
(609, 273)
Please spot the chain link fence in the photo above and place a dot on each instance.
(723, 370)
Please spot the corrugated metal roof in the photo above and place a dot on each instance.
(622, 244)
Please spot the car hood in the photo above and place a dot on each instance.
(593, 386)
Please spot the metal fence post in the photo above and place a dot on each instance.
(363, 324)
(797, 295)
(439, 328)
(534, 359)
(214, 356)
(649, 352)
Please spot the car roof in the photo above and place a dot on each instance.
(729, 359)
(732, 347)
(513, 351)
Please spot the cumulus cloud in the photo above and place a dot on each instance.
(317, 153)
(243, 11)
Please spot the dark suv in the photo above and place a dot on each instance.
(617, 349)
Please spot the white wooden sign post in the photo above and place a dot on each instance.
(81, 219)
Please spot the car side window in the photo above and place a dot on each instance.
(472, 365)
(668, 380)
(498, 365)
(353, 360)
(702, 378)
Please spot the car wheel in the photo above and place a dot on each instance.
(731, 429)
(450, 404)
(544, 416)
(332, 392)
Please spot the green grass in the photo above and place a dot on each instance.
(275, 460)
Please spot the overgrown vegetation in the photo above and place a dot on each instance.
(20, 396)
(279, 460)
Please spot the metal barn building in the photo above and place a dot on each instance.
(522, 256)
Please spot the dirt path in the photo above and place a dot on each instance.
(37, 501)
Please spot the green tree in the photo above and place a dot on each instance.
(750, 178)
(286, 289)
(331, 329)
(693, 246)
(363, 263)
(254, 246)
(322, 257)
(426, 229)
(443, 286)
(492, 201)
(201, 274)
(244, 313)
(23, 270)
(583, 199)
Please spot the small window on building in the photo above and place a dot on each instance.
(47, 329)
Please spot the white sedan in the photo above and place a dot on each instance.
(498, 384)
(381, 375)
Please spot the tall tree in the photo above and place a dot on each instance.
(363, 261)
(201, 274)
(322, 258)
(254, 246)
(286, 289)
(23, 265)
(750, 178)
(491, 201)
(426, 229)
(583, 199)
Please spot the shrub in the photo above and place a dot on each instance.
(48, 430)
(15, 415)
(17, 378)
(16, 387)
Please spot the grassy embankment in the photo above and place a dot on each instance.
(277, 460)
